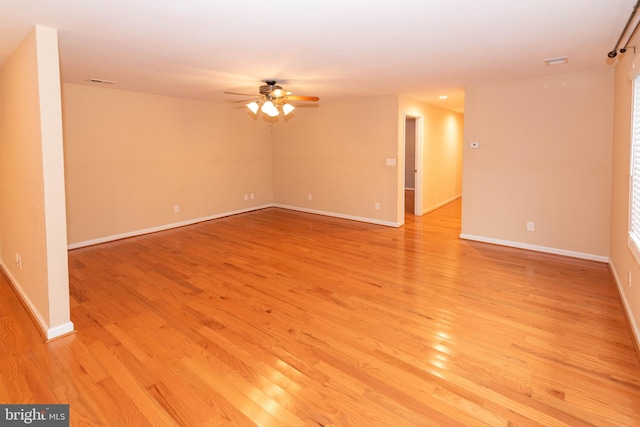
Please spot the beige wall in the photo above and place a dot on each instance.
(337, 153)
(440, 153)
(131, 157)
(623, 264)
(544, 156)
(32, 220)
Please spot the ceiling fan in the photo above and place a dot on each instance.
(272, 99)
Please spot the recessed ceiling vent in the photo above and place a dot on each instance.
(102, 81)
(557, 61)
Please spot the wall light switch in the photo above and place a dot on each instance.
(474, 145)
(391, 162)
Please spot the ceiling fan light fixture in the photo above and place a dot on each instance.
(269, 109)
(272, 100)
(253, 106)
(287, 108)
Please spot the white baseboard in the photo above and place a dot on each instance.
(48, 332)
(339, 215)
(161, 228)
(60, 331)
(439, 205)
(627, 307)
(536, 248)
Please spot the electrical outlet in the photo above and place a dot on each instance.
(377, 206)
(629, 278)
(309, 196)
(252, 196)
(246, 197)
(176, 208)
(19, 261)
(531, 226)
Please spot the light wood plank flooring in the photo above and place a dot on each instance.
(281, 318)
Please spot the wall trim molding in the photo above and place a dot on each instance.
(339, 215)
(161, 228)
(535, 248)
(635, 330)
(47, 332)
(439, 205)
(60, 331)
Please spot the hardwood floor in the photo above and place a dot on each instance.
(409, 201)
(278, 318)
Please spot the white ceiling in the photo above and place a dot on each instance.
(329, 48)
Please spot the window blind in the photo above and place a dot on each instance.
(634, 232)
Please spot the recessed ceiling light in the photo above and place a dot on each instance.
(557, 61)
(443, 97)
(106, 82)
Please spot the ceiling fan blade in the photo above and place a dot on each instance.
(245, 100)
(301, 98)
(243, 94)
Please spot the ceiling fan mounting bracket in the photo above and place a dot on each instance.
(269, 87)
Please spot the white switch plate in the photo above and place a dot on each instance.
(391, 162)
(474, 145)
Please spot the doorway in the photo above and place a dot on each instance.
(412, 165)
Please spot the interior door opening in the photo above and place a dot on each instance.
(412, 162)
